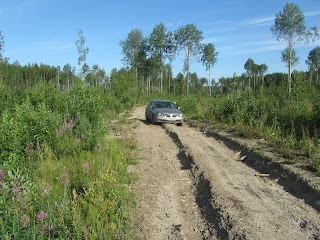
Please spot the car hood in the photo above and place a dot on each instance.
(168, 110)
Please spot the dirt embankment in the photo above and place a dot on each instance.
(197, 186)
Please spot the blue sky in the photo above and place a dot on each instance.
(43, 31)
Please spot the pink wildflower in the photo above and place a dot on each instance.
(65, 174)
(24, 220)
(86, 166)
(66, 181)
(15, 189)
(42, 216)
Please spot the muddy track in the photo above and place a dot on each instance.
(194, 185)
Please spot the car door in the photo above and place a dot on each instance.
(149, 111)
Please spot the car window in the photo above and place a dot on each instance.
(173, 106)
(170, 105)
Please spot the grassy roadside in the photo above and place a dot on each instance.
(80, 195)
(290, 124)
(63, 171)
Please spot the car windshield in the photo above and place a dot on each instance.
(164, 105)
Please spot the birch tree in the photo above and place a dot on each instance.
(263, 69)
(1, 46)
(131, 47)
(290, 27)
(188, 40)
(82, 50)
(161, 44)
(314, 60)
(209, 58)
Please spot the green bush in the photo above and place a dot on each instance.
(58, 177)
(289, 121)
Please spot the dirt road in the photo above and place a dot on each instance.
(194, 187)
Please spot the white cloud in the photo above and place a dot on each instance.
(228, 26)
(312, 13)
(259, 21)
(252, 47)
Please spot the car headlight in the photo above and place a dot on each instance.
(160, 114)
(180, 115)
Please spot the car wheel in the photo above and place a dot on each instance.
(179, 124)
(152, 119)
(147, 119)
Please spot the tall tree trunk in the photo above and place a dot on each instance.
(289, 67)
(142, 84)
(209, 80)
(161, 76)
(310, 77)
(169, 83)
(58, 80)
(289, 76)
(188, 74)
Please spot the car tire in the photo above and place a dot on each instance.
(152, 119)
(147, 119)
(179, 124)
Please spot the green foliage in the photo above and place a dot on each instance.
(314, 60)
(1, 45)
(188, 40)
(82, 50)
(123, 85)
(25, 128)
(209, 55)
(290, 57)
(80, 197)
(290, 27)
(289, 122)
(6, 98)
(131, 47)
(58, 177)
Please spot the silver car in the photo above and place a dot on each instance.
(164, 111)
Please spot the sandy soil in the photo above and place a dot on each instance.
(193, 186)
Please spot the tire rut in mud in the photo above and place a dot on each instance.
(217, 225)
(290, 181)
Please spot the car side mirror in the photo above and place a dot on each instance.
(179, 108)
(151, 107)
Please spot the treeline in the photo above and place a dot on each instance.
(60, 177)
(19, 77)
(232, 84)
(147, 55)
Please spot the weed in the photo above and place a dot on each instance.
(60, 178)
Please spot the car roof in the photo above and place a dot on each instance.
(161, 101)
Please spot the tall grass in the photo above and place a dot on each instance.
(60, 177)
(290, 122)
